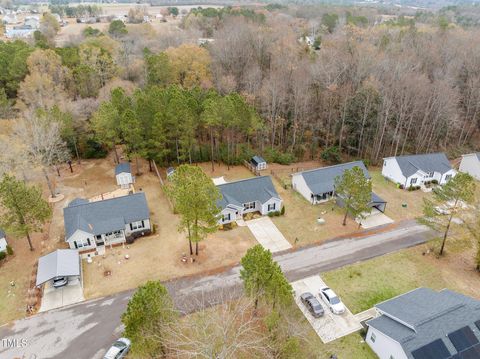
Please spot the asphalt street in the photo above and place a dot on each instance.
(86, 330)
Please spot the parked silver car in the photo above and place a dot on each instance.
(119, 349)
(331, 299)
(60, 282)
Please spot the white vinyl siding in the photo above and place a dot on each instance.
(384, 346)
(470, 164)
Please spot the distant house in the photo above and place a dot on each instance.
(3, 241)
(471, 164)
(32, 22)
(425, 324)
(416, 170)
(258, 163)
(318, 185)
(123, 174)
(255, 194)
(91, 226)
(19, 32)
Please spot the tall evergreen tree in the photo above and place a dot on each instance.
(23, 210)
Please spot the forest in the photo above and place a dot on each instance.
(368, 88)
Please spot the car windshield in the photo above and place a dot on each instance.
(334, 300)
(119, 345)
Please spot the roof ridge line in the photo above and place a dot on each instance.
(325, 167)
(103, 200)
(243, 180)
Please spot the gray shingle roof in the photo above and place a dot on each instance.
(322, 180)
(62, 262)
(428, 162)
(123, 167)
(257, 159)
(432, 314)
(105, 216)
(248, 190)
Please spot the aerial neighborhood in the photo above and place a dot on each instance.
(252, 180)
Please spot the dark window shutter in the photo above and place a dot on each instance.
(131, 227)
(75, 244)
(88, 241)
(143, 224)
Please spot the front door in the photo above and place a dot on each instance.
(99, 240)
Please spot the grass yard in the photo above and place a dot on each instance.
(299, 224)
(364, 284)
(157, 256)
(234, 173)
(396, 196)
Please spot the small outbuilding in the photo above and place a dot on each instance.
(170, 171)
(123, 174)
(61, 263)
(3, 241)
(258, 163)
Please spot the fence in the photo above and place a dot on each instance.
(162, 184)
(280, 180)
(251, 168)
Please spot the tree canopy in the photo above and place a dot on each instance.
(22, 208)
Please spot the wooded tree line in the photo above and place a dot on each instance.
(368, 92)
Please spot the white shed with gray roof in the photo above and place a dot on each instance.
(471, 164)
(417, 170)
(426, 324)
(123, 174)
(255, 194)
(61, 263)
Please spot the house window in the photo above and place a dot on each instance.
(413, 181)
(430, 174)
(226, 217)
(137, 225)
(271, 207)
(82, 243)
(448, 178)
(249, 205)
(372, 337)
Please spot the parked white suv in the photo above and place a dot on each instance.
(333, 302)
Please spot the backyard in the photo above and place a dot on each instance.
(158, 256)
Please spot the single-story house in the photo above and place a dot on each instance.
(123, 174)
(91, 226)
(471, 164)
(258, 163)
(416, 170)
(3, 241)
(318, 185)
(255, 194)
(426, 324)
(61, 263)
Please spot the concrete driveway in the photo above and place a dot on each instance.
(268, 235)
(59, 297)
(330, 326)
(375, 219)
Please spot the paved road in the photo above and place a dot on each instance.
(86, 330)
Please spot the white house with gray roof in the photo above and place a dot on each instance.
(318, 185)
(3, 241)
(471, 164)
(92, 226)
(255, 194)
(426, 324)
(416, 170)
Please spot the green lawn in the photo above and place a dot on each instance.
(362, 285)
(395, 197)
